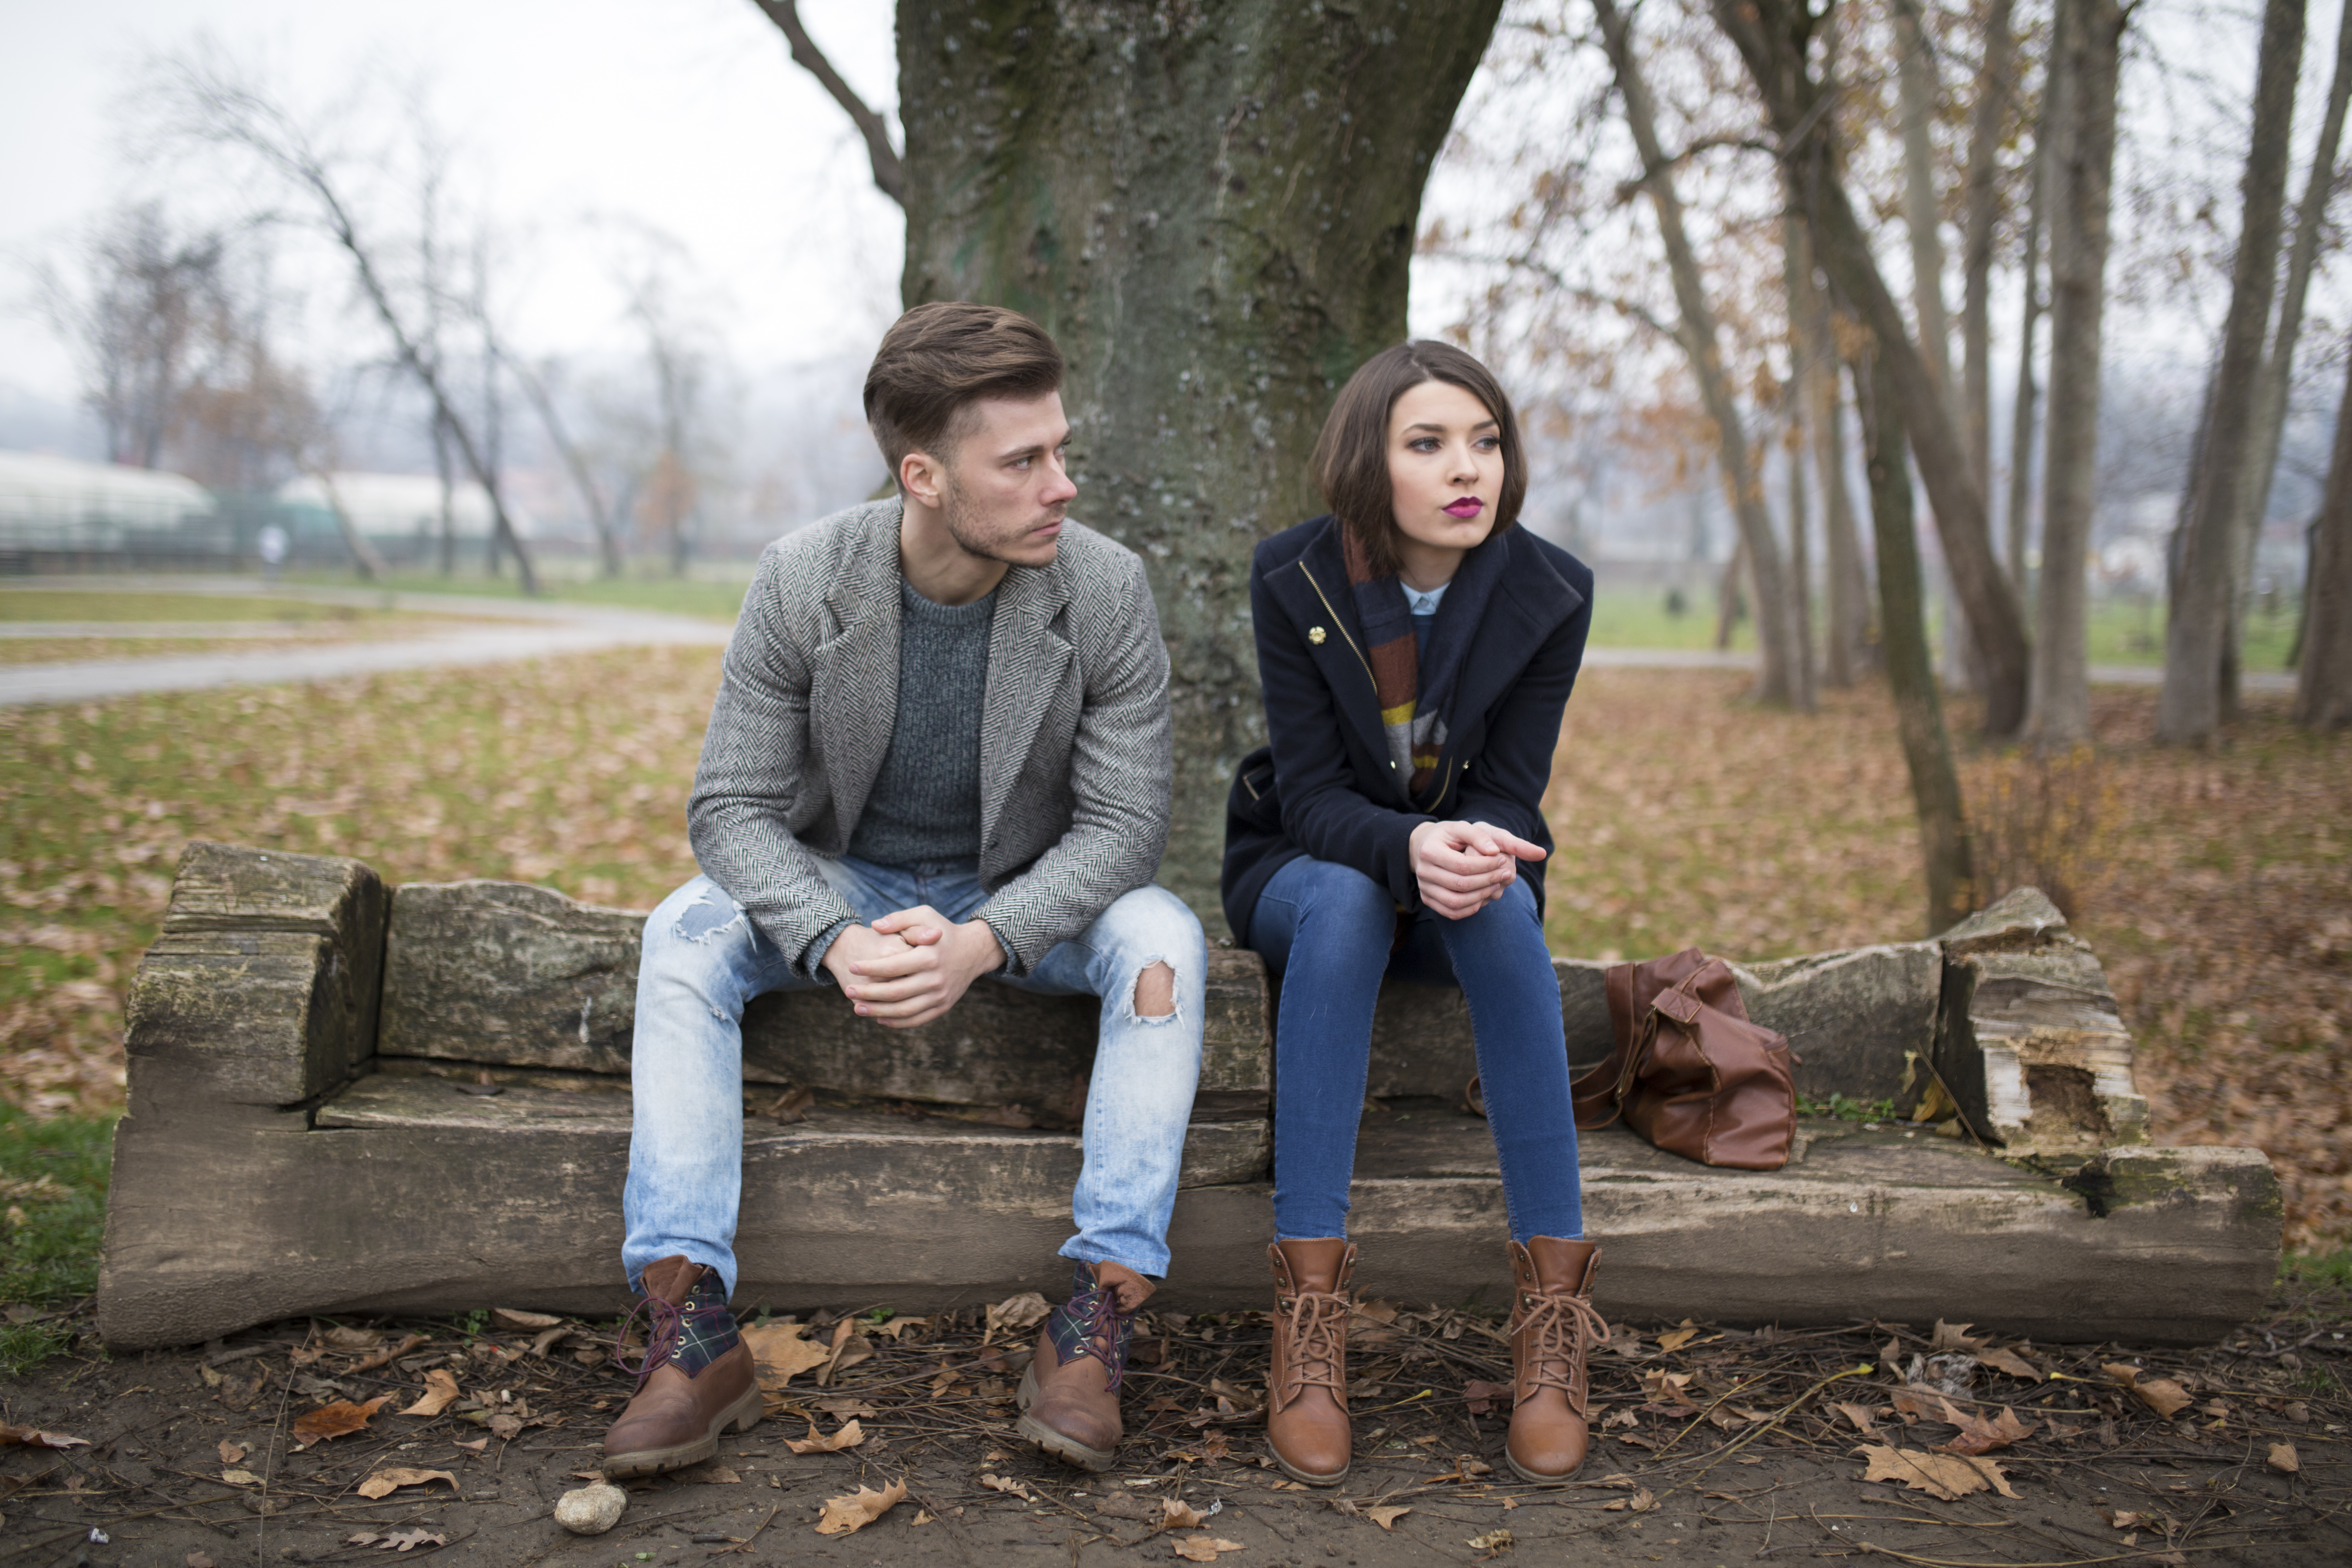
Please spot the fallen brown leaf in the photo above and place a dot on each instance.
(1386, 1516)
(849, 1436)
(384, 1355)
(1494, 1541)
(477, 1446)
(505, 1428)
(2160, 1395)
(25, 1437)
(440, 1393)
(844, 1406)
(240, 1478)
(344, 1339)
(2011, 1362)
(233, 1453)
(1954, 1337)
(1480, 1395)
(846, 1515)
(383, 1483)
(337, 1420)
(1978, 1436)
(1015, 1314)
(513, 1319)
(1641, 1501)
(1860, 1417)
(1175, 1513)
(898, 1326)
(1946, 1476)
(779, 1351)
(1675, 1339)
(2283, 1458)
(1204, 1548)
(398, 1541)
(1006, 1484)
(199, 1560)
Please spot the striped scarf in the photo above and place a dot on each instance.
(1413, 711)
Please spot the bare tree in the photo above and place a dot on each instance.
(2029, 309)
(534, 381)
(1910, 671)
(1918, 86)
(2085, 59)
(209, 102)
(890, 174)
(2204, 555)
(2322, 677)
(1846, 645)
(1785, 676)
(1996, 90)
(1775, 39)
(147, 317)
(2268, 423)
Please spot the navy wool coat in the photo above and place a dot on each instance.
(1325, 785)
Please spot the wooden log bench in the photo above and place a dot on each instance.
(347, 1097)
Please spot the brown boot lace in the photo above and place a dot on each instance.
(1316, 1322)
(1560, 1329)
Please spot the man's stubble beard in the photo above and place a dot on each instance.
(956, 517)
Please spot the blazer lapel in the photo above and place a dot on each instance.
(853, 688)
(1026, 660)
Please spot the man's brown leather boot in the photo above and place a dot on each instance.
(1069, 1394)
(696, 1376)
(1552, 1326)
(1306, 1393)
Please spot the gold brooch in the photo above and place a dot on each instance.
(1315, 636)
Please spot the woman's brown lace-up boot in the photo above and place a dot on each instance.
(1552, 1326)
(1306, 1393)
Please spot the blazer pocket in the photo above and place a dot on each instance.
(1254, 801)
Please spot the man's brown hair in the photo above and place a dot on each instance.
(1351, 455)
(938, 360)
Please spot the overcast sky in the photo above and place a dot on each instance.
(689, 114)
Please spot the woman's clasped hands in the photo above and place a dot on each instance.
(1463, 867)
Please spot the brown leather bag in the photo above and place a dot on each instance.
(1688, 1071)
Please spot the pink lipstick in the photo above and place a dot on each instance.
(1467, 507)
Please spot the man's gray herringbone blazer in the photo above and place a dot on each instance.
(1075, 745)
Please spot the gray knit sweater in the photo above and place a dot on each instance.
(924, 813)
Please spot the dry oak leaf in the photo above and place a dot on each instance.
(1005, 1484)
(240, 1478)
(513, 1319)
(1493, 1541)
(898, 1326)
(1204, 1548)
(1640, 1502)
(2283, 1458)
(710, 1473)
(843, 1406)
(1481, 1395)
(1954, 1337)
(846, 1515)
(1025, 1311)
(2009, 1362)
(384, 1355)
(1978, 1436)
(780, 1353)
(440, 1393)
(1861, 1417)
(384, 1482)
(1675, 1339)
(233, 1453)
(344, 1339)
(1946, 1476)
(337, 1420)
(399, 1540)
(25, 1437)
(2160, 1395)
(1175, 1513)
(1386, 1516)
(849, 1436)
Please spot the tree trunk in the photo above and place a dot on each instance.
(446, 545)
(1847, 639)
(2196, 624)
(2323, 675)
(1995, 91)
(2084, 57)
(1903, 635)
(2269, 420)
(1212, 209)
(364, 554)
(1917, 86)
(1783, 679)
(1800, 524)
(1731, 596)
(575, 463)
(1773, 38)
(2020, 414)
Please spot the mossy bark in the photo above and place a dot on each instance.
(1211, 207)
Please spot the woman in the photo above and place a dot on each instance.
(1416, 651)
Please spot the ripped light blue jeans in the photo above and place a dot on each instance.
(703, 960)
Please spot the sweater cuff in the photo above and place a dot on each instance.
(812, 956)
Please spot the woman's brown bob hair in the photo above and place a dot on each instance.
(1351, 456)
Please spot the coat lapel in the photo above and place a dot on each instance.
(853, 688)
(1027, 658)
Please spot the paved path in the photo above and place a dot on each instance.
(547, 630)
(1712, 659)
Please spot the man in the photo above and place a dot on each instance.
(941, 750)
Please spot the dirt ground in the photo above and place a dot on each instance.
(1718, 1446)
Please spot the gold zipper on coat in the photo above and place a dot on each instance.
(1343, 624)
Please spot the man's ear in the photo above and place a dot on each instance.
(922, 477)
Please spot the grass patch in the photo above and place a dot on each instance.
(2317, 1270)
(1837, 1107)
(34, 604)
(52, 1207)
(715, 591)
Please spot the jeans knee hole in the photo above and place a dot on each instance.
(708, 917)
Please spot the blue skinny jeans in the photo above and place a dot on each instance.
(1325, 930)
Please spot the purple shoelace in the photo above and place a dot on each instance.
(667, 1327)
(1090, 1323)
